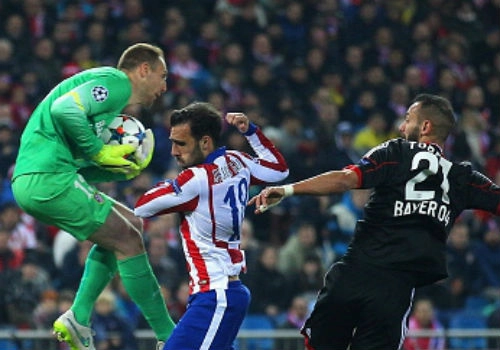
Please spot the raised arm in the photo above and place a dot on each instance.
(271, 165)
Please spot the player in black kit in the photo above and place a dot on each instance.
(400, 243)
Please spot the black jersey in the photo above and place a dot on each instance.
(417, 196)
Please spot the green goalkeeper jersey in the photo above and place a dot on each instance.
(62, 133)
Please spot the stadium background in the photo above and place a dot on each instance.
(325, 79)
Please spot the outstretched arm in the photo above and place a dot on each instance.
(330, 182)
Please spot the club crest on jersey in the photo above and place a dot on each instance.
(175, 185)
(98, 197)
(100, 93)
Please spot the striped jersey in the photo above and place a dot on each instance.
(211, 201)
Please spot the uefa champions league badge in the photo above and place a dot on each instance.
(99, 93)
(98, 197)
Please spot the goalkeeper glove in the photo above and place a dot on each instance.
(144, 154)
(112, 158)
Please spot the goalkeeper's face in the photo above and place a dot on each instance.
(187, 150)
(154, 83)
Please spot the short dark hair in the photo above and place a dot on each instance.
(139, 53)
(202, 117)
(439, 111)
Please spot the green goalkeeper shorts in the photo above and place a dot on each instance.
(64, 200)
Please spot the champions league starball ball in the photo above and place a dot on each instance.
(124, 129)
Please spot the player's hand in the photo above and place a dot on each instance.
(112, 158)
(144, 154)
(238, 120)
(132, 174)
(269, 197)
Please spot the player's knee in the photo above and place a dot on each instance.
(137, 224)
(132, 242)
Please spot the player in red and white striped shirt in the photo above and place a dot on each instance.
(210, 195)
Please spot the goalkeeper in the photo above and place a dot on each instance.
(61, 155)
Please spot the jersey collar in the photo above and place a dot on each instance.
(215, 154)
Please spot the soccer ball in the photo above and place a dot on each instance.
(124, 129)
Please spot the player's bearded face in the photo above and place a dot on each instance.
(410, 127)
(413, 134)
(185, 148)
(193, 158)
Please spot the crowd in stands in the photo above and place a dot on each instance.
(325, 79)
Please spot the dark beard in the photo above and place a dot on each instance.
(198, 158)
(413, 136)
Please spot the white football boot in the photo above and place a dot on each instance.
(67, 329)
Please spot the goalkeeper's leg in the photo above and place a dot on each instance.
(122, 233)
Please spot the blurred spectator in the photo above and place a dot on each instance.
(473, 140)
(333, 82)
(263, 52)
(379, 50)
(487, 254)
(328, 118)
(231, 83)
(6, 55)
(26, 287)
(207, 47)
(299, 245)
(399, 97)
(64, 39)
(45, 63)
(423, 318)
(454, 58)
(47, 310)
(63, 242)
(492, 97)
(112, 332)
(461, 264)
(174, 30)
(414, 80)
(97, 39)
(395, 67)
(446, 87)
(309, 280)
(451, 294)
(295, 317)
(232, 56)
(10, 259)
(374, 133)
(375, 80)
(300, 87)
(73, 266)
(40, 18)
(342, 153)
(20, 226)
(8, 147)
(15, 30)
(249, 244)
(353, 69)
(359, 29)
(182, 64)
(262, 83)
(125, 307)
(178, 303)
(270, 288)
(424, 58)
(361, 106)
(21, 109)
(343, 218)
(164, 267)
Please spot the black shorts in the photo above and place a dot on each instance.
(360, 305)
